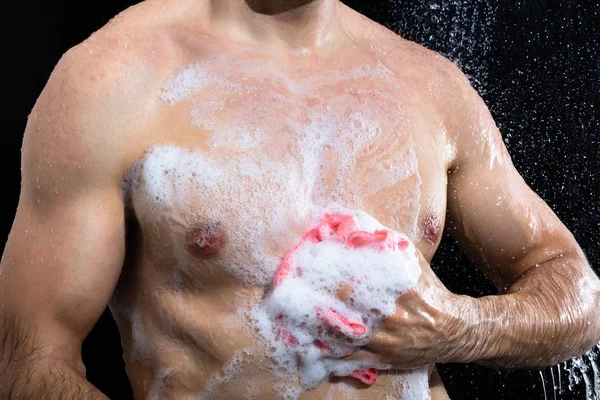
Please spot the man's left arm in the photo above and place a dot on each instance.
(547, 311)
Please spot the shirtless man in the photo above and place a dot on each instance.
(177, 154)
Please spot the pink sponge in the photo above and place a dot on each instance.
(343, 228)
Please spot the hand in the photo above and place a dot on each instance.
(429, 325)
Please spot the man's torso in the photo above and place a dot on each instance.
(244, 149)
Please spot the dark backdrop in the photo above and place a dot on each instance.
(536, 64)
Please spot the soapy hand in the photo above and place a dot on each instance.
(428, 326)
(344, 327)
(352, 297)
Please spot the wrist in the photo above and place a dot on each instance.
(474, 337)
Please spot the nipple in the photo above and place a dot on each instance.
(205, 240)
(432, 228)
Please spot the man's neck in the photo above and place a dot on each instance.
(297, 25)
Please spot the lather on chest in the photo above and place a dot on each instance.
(269, 158)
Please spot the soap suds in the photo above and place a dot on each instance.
(154, 392)
(292, 319)
(238, 190)
(411, 385)
(142, 348)
(278, 153)
(228, 373)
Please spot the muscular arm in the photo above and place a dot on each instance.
(66, 247)
(547, 311)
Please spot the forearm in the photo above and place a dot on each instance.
(547, 316)
(46, 380)
(27, 371)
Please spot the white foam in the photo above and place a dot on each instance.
(192, 78)
(378, 278)
(227, 373)
(274, 163)
(158, 382)
(244, 74)
(182, 84)
(411, 385)
(142, 349)
(351, 144)
(191, 186)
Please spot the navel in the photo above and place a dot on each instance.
(205, 240)
(432, 228)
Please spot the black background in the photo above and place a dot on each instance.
(536, 63)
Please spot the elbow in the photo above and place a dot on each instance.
(581, 326)
(593, 316)
(589, 299)
(574, 326)
(579, 310)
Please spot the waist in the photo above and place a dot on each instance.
(182, 344)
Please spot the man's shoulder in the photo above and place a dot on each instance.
(119, 70)
(398, 52)
(128, 49)
(103, 91)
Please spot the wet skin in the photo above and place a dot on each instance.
(119, 214)
(194, 272)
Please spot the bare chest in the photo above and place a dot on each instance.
(257, 155)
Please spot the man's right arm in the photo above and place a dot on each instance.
(25, 374)
(66, 248)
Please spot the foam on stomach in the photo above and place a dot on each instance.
(303, 322)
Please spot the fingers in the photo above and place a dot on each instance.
(362, 357)
(380, 341)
